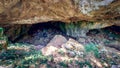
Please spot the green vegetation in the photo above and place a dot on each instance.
(1, 32)
(3, 40)
(21, 57)
(63, 64)
(84, 64)
(92, 48)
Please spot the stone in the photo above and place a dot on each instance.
(57, 41)
(111, 38)
(86, 66)
(32, 66)
(38, 47)
(72, 44)
(119, 66)
(2, 67)
(71, 54)
(9, 66)
(82, 39)
(43, 66)
(80, 54)
(49, 50)
(35, 11)
(54, 45)
(114, 44)
(95, 15)
(68, 47)
(114, 66)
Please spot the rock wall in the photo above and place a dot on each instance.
(35, 11)
(101, 13)
(15, 31)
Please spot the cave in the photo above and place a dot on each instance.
(59, 33)
(48, 30)
(31, 34)
(36, 38)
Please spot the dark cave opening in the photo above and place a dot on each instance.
(53, 26)
(41, 31)
(44, 25)
(114, 28)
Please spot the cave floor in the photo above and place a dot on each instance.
(102, 50)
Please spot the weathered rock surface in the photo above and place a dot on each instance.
(35, 11)
(54, 45)
(72, 44)
(115, 45)
(15, 31)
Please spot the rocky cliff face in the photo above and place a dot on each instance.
(92, 14)
(35, 11)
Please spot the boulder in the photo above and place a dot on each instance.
(54, 45)
(72, 44)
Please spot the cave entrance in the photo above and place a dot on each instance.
(42, 33)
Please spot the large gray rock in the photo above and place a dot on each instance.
(54, 45)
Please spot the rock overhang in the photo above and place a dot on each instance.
(39, 11)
